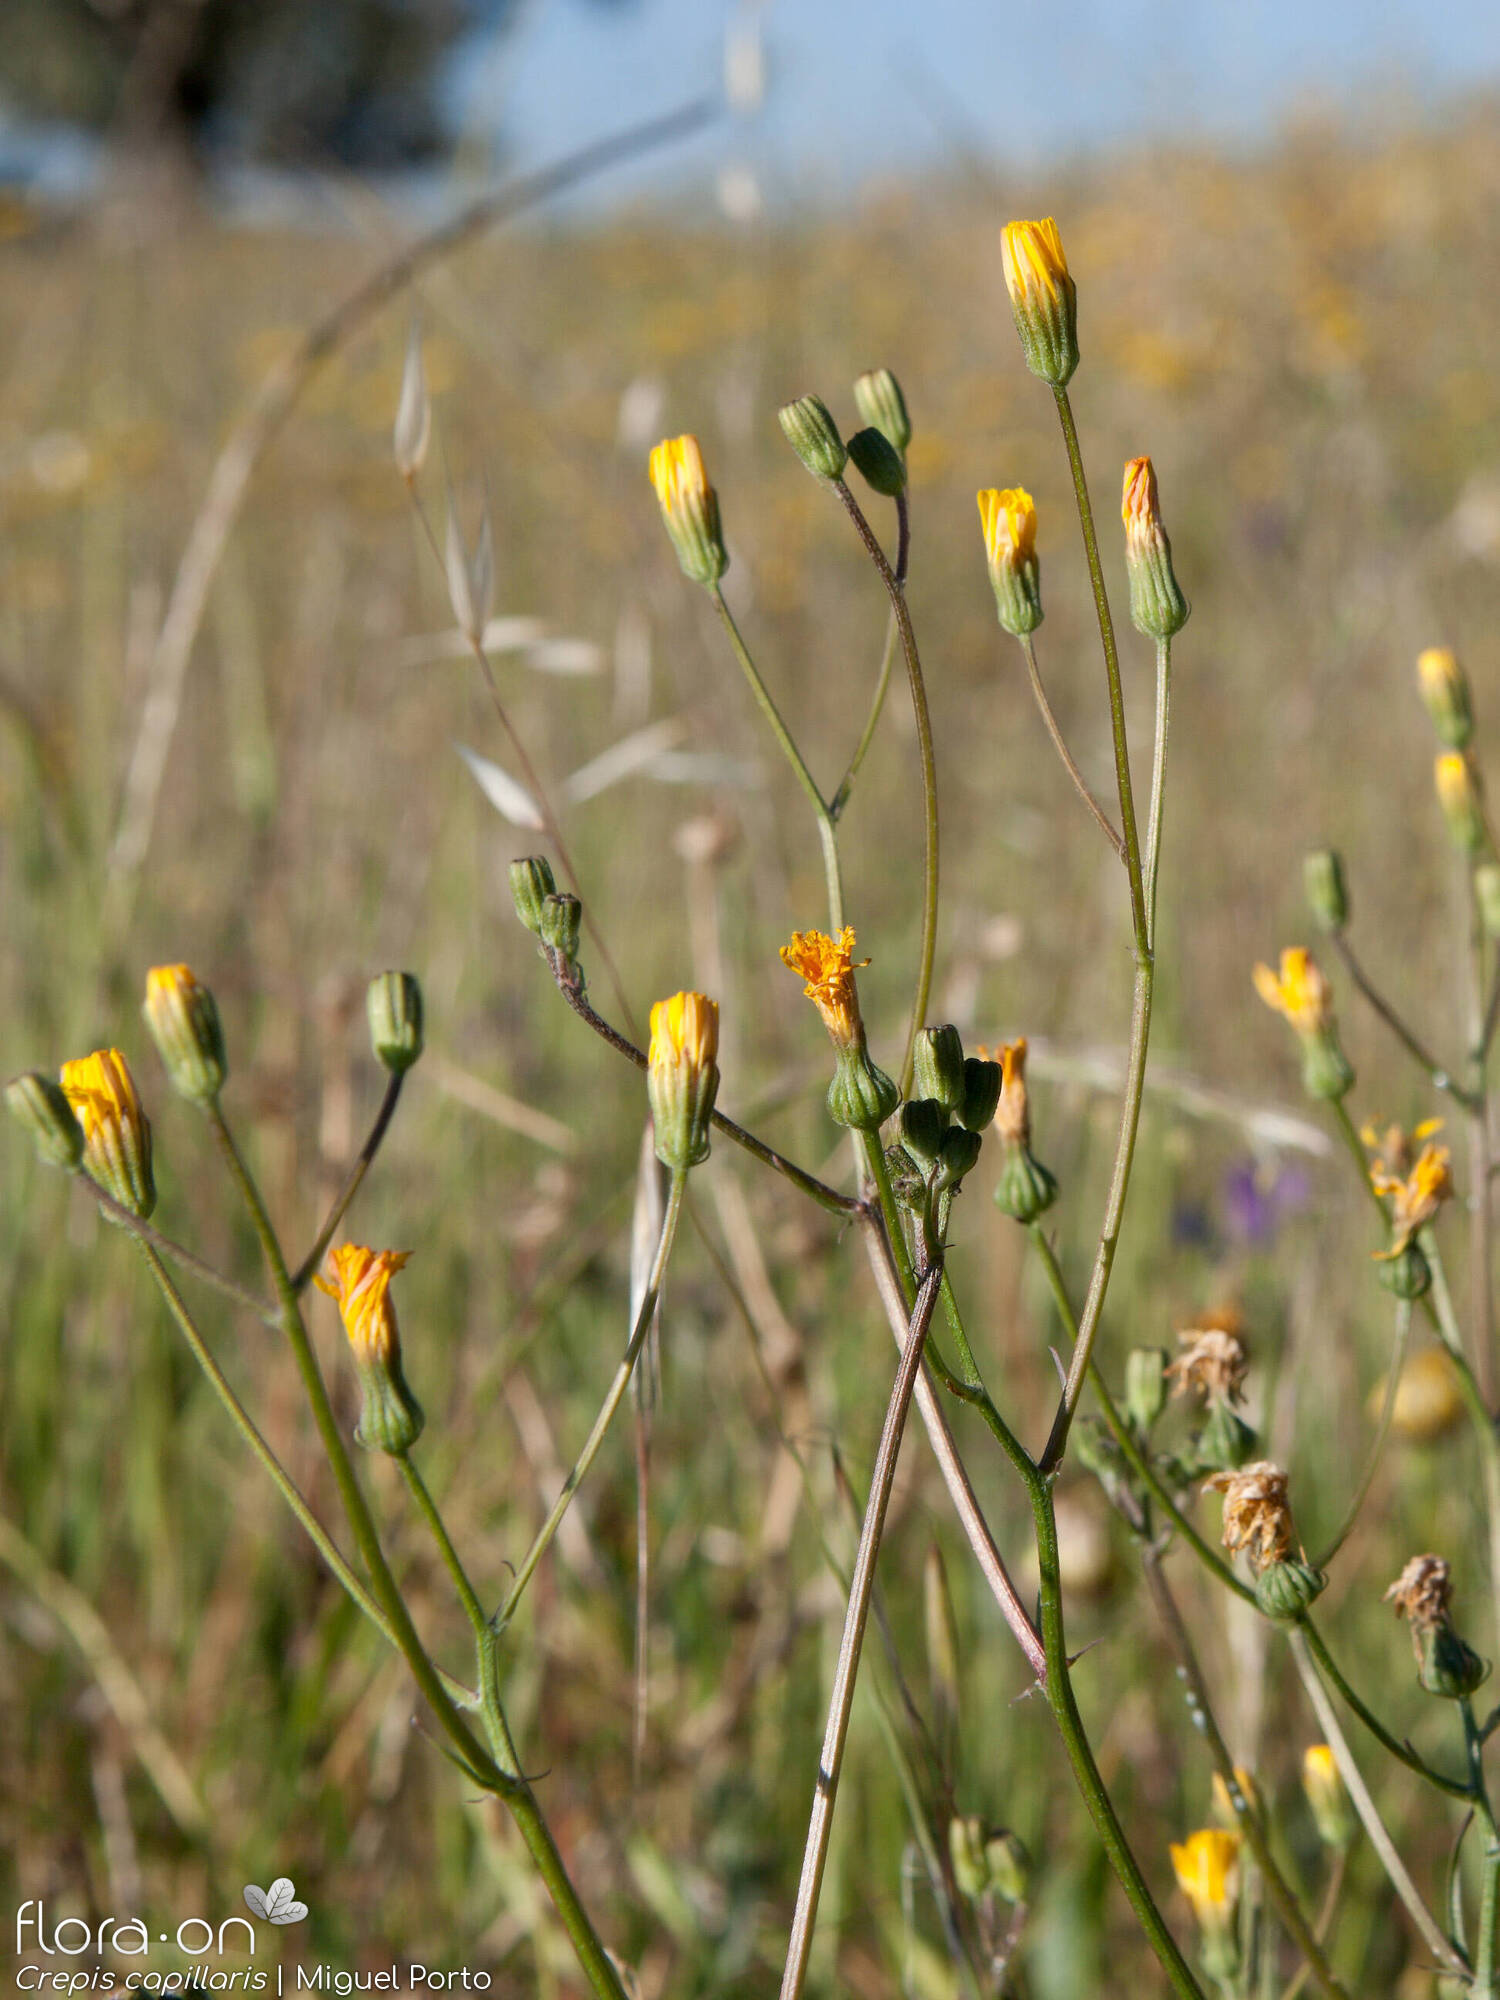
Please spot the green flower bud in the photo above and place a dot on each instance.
(1145, 1387)
(971, 1870)
(1449, 1668)
(878, 462)
(1408, 1274)
(393, 1004)
(938, 1066)
(1226, 1441)
(861, 1096)
(562, 921)
(1445, 695)
(1462, 799)
(682, 1077)
(1043, 300)
(1157, 606)
(1330, 1805)
(531, 883)
(1009, 1865)
(1324, 888)
(183, 1018)
(1326, 1071)
(689, 509)
(36, 1102)
(956, 1157)
(878, 398)
(923, 1125)
(1284, 1590)
(981, 1096)
(814, 436)
(1025, 1189)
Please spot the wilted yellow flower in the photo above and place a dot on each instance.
(1301, 992)
(1445, 695)
(828, 966)
(1459, 796)
(689, 507)
(1043, 299)
(1207, 1867)
(1257, 1517)
(1013, 1115)
(391, 1419)
(1415, 1198)
(1395, 1148)
(116, 1131)
(682, 1076)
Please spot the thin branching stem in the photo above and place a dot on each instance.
(1456, 1788)
(1377, 1443)
(1158, 782)
(1060, 744)
(353, 1181)
(153, 1239)
(1437, 1073)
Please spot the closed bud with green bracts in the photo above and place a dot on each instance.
(1226, 1441)
(981, 1096)
(923, 1124)
(183, 1018)
(956, 1157)
(1487, 895)
(116, 1130)
(938, 1066)
(1324, 887)
(1327, 1799)
(1445, 696)
(1009, 1865)
(814, 436)
(1449, 1668)
(1145, 1387)
(1327, 1073)
(531, 883)
(391, 1417)
(689, 509)
(682, 1077)
(878, 462)
(1043, 299)
(393, 1003)
(1462, 800)
(1007, 518)
(1025, 1189)
(1408, 1274)
(878, 398)
(861, 1096)
(971, 1870)
(1158, 608)
(38, 1103)
(1284, 1590)
(562, 922)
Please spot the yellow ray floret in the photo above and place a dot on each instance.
(1008, 516)
(1207, 1867)
(685, 1029)
(1300, 992)
(677, 472)
(361, 1286)
(827, 966)
(1033, 257)
(102, 1092)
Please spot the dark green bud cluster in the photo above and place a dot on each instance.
(878, 462)
(881, 405)
(531, 883)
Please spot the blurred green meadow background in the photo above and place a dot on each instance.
(1303, 339)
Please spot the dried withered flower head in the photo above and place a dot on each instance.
(1212, 1360)
(1257, 1517)
(1422, 1593)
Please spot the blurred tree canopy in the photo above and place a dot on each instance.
(291, 81)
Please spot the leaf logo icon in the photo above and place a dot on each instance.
(278, 1904)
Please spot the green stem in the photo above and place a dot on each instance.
(1250, 1821)
(840, 798)
(1114, 1213)
(874, 1155)
(1403, 1752)
(472, 1755)
(1158, 781)
(1112, 673)
(151, 1238)
(428, 1508)
(913, 659)
(355, 1180)
(611, 1403)
(1486, 1961)
(1481, 1287)
(1377, 1443)
(1060, 744)
(1440, 1303)
(1438, 1074)
(821, 810)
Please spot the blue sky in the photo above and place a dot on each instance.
(857, 86)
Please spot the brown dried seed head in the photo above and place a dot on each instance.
(1422, 1593)
(1257, 1517)
(1212, 1360)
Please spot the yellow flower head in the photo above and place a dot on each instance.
(1207, 1867)
(682, 1077)
(1326, 1797)
(184, 1021)
(684, 1028)
(1008, 516)
(1319, 1766)
(1301, 992)
(1139, 508)
(827, 965)
(1445, 695)
(1416, 1198)
(689, 508)
(1035, 267)
(1459, 796)
(1394, 1148)
(116, 1131)
(361, 1285)
(1438, 672)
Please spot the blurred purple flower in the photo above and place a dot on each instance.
(1259, 1197)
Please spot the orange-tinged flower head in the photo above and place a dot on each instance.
(1035, 266)
(1300, 992)
(1013, 1117)
(1207, 1867)
(1415, 1198)
(361, 1286)
(827, 966)
(116, 1131)
(1138, 506)
(689, 508)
